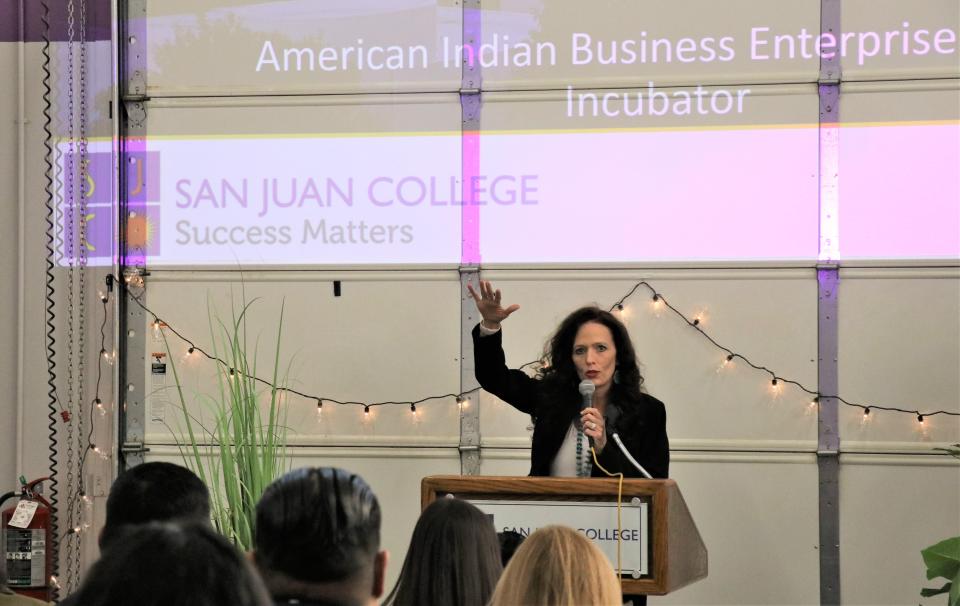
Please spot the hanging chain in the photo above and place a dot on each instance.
(71, 250)
(82, 404)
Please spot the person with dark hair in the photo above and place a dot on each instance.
(589, 345)
(151, 492)
(154, 492)
(159, 564)
(453, 558)
(317, 539)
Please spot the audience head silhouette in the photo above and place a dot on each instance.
(453, 558)
(154, 492)
(557, 566)
(158, 564)
(317, 538)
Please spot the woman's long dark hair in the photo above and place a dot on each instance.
(172, 563)
(560, 375)
(453, 558)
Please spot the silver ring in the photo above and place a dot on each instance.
(592, 425)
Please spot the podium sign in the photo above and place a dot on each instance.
(595, 520)
(661, 548)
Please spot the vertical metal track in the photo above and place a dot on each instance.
(828, 438)
(470, 241)
(828, 430)
(470, 412)
(133, 131)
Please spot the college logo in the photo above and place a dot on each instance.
(88, 214)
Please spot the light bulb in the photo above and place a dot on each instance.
(657, 304)
(775, 387)
(726, 363)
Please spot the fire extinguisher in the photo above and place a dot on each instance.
(25, 537)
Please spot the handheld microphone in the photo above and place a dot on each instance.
(586, 392)
(587, 388)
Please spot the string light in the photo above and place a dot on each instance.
(319, 410)
(727, 362)
(366, 412)
(55, 583)
(413, 411)
(134, 279)
(813, 406)
(658, 303)
(103, 296)
(623, 311)
(96, 450)
(190, 355)
(775, 387)
(865, 418)
(100, 407)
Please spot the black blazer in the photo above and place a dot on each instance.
(643, 429)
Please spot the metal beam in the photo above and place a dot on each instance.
(132, 319)
(828, 281)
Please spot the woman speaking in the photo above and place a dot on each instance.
(589, 354)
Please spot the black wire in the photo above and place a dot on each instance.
(773, 375)
(50, 315)
(232, 371)
(94, 403)
(618, 305)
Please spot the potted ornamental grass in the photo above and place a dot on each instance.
(238, 444)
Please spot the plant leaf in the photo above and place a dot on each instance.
(929, 592)
(942, 559)
(954, 599)
(247, 448)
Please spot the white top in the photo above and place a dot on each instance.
(565, 462)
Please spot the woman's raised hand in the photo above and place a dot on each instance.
(489, 306)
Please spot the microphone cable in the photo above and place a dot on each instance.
(619, 507)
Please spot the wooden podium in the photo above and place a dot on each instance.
(677, 555)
